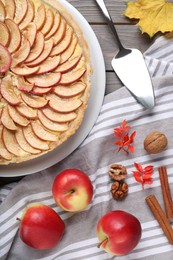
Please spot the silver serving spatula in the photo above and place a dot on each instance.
(130, 67)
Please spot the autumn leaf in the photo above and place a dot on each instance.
(154, 15)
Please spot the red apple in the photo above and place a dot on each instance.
(72, 190)
(118, 232)
(41, 227)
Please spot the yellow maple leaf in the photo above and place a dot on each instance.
(154, 15)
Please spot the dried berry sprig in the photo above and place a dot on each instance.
(125, 141)
(143, 175)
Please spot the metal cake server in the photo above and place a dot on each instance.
(130, 67)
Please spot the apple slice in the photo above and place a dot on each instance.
(24, 70)
(29, 16)
(42, 133)
(21, 10)
(26, 111)
(60, 33)
(70, 91)
(4, 34)
(37, 48)
(34, 102)
(64, 105)
(48, 23)
(41, 91)
(23, 85)
(41, 17)
(58, 117)
(5, 59)
(30, 33)
(68, 65)
(11, 144)
(48, 65)
(45, 53)
(33, 140)
(63, 45)
(3, 151)
(72, 76)
(57, 19)
(53, 126)
(23, 143)
(45, 80)
(2, 11)
(10, 8)
(17, 117)
(6, 120)
(69, 52)
(15, 35)
(7, 91)
(21, 54)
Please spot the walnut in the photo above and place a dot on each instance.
(155, 142)
(119, 190)
(117, 172)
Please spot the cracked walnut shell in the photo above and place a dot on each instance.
(119, 190)
(155, 142)
(117, 172)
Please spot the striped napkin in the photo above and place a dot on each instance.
(94, 156)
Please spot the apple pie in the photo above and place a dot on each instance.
(45, 74)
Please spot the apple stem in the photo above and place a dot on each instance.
(99, 245)
(18, 219)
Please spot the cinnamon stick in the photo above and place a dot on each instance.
(168, 203)
(160, 217)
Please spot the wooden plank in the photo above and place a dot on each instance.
(112, 82)
(130, 36)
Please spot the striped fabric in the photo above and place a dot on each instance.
(94, 157)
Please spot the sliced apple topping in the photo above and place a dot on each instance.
(21, 54)
(10, 8)
(5, 59)
(72, 76)
(11, 143)
(34, 102)
(4, 153)
(58, 117)
(23, 143)
(6, 120)
(30, 33)
(37, 48)
(15, 35)
(71, 90)
(2, 11)
(41, 17)
(58, 36)
(57, 19)
(17, 117)
(68, 65)
(42, 132)
(64, 105)
(21, 10)
(53, 126)
(41, 91)
(7, 91)
(48, 23)
(4, 34)
(29, 16)
(48, 65)
(24, 70)
(45, 53)
(26, 111)
(23, 85)
(33, 140)
(63, 45)
(45, 80)
(69, 52)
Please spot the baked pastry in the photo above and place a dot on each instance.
(44, 78)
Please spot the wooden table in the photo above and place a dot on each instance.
(129, 34)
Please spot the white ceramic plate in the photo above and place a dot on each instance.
(94, 105)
